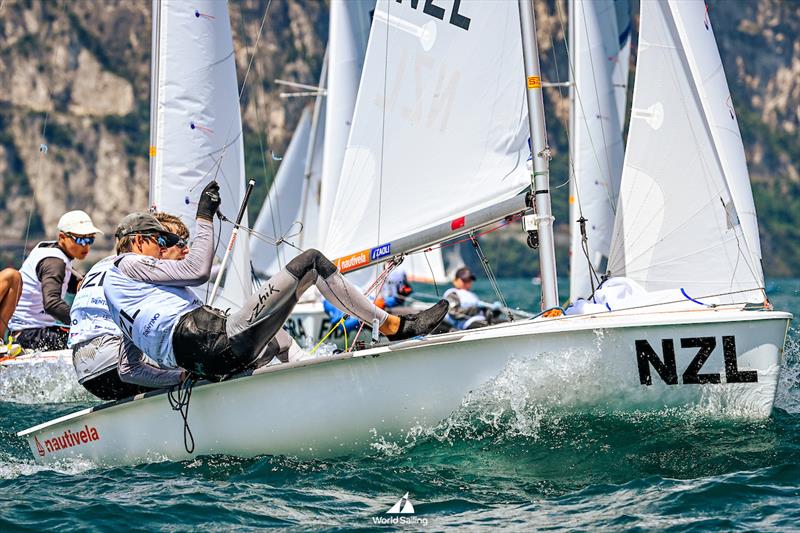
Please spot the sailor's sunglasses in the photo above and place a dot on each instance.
(81, 240)
(182, 244)
(163, 241)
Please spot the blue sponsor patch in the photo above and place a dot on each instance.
(380, 251)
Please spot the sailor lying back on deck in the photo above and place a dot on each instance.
(41, 318)
(94, 338)
(150, 300)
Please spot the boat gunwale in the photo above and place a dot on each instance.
(536, 326)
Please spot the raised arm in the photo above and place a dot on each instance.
(193, 270)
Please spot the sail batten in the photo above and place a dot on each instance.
(685, 217)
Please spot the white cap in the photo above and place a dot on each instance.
(77, 222)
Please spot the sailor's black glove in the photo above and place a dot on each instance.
(209, 201)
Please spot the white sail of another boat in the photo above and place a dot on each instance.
(350, 22)
(439, 129)
(600, 48)
(196, 128)
(686, 218)
(281, 212)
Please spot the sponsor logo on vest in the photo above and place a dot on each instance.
(68, 440)
(380, 251)
(150, 324)
(353, 261)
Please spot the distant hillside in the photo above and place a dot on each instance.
(74, 77)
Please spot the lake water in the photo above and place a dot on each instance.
(531, 470)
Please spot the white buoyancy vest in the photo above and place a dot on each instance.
(147, 313)
(30, 312)
(89, 315)
(467, 299)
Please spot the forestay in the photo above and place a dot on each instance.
(686, 217)
(196, 129)
(600, 48)
(440, 126)
(280, 215)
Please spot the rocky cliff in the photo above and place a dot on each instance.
(74, 104)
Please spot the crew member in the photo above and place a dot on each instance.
(10, 291)
(150, 301)
(42, 315)
(466, 311)
(94, 337)
(395, 292)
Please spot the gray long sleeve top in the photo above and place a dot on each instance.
(193, 270)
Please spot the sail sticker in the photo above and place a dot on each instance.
(353, 261)
(429, 8)
(534, 82)
(457, 223)
(380, 251)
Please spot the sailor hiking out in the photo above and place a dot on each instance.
(150, 300)
(94, 338)
(41, 318)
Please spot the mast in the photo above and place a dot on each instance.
(541, 156)
(154, 61)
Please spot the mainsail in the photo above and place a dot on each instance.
(686, 218)
(600, 48)
(439, 132)
(196, 129)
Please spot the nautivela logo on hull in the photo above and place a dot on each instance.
(69, 439)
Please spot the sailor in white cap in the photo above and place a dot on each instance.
(41, 319)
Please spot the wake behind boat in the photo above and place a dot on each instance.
(723, 363)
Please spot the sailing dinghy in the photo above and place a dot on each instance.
(686, 354)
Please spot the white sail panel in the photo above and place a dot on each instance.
(600, 51)
(425, 267)
(197, 125)
(350, 22)
(440, 128)
(679, 221)
(280, 213)
(312, 184)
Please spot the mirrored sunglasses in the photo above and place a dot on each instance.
(82, 240)
(165, 240)
(182, 244)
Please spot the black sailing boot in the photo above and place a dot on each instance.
(420, 323)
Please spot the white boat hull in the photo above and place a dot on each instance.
(352, 403)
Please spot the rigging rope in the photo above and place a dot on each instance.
(179, 397)
(487, 268)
